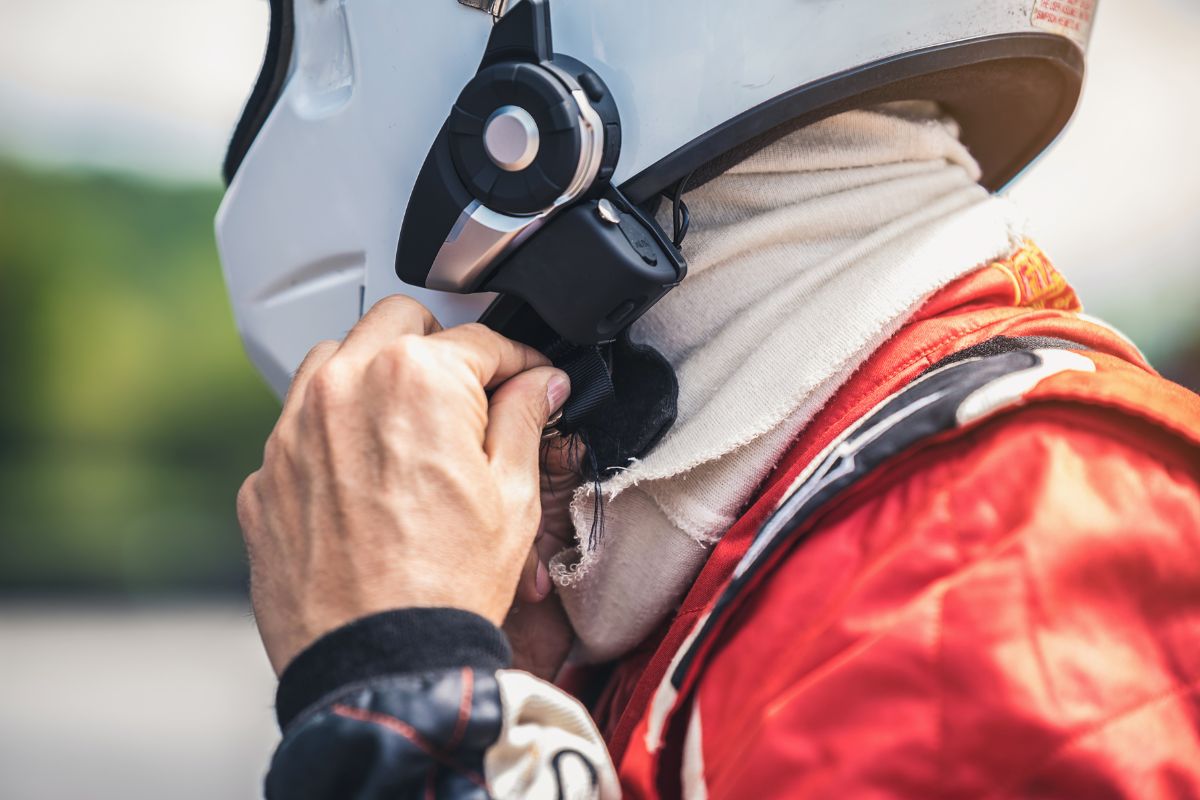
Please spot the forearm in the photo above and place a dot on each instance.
(420, 701)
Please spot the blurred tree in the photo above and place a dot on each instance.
(128, 413)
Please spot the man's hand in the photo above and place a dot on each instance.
(392, 480)
(538, 628)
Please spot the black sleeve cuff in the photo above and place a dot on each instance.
(390, 643)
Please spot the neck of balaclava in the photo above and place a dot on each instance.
(803, 259)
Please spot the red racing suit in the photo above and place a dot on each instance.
(1006, 603)
(975, 574)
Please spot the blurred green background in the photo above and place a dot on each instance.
(129, 413)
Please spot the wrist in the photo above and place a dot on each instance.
(389, 643)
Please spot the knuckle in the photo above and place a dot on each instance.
(247, 501)
(403, 305)
(407, 347)
(479, 336)
(327, 386)
(406, 357)
(404, 368)
(476, 330)
(400, 302)
(276, 449)
(322, 347)
(317, 353)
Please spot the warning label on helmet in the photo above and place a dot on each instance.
(1069, 17)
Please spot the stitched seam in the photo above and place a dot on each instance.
(1012, 279)
(968, 329)
(375, 683)
(820, 434)
(1103, 397)
(387, 721)
(464, 708)
(853, 410)
(922, 355)
(410, 733)
(938, 587)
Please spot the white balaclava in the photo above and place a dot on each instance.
(803, 260)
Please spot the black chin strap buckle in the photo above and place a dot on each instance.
(623, 400)
(591, 382)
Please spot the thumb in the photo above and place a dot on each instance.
(518, 412)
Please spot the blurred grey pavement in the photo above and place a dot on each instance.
(113, 702)
(172, 699)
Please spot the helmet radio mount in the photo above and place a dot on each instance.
(515, 197)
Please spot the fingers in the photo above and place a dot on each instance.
(389, 319)
(316, 358)
(516, 415)
(541, 637)
(385, 322)
(534, 585)
(493, 358)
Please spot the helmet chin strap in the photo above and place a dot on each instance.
(640, 411)
(591, 382)
(624, 395)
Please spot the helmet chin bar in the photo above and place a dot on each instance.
(515, 196)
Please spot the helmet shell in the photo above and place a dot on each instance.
(341, 123)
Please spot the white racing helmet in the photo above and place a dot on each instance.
(494, 160)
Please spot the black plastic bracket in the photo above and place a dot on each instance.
(523, 34)
(595, 265)
(598, 267)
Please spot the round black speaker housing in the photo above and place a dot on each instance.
(548, 101)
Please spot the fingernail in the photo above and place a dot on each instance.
(557, 391)
(541, 581)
